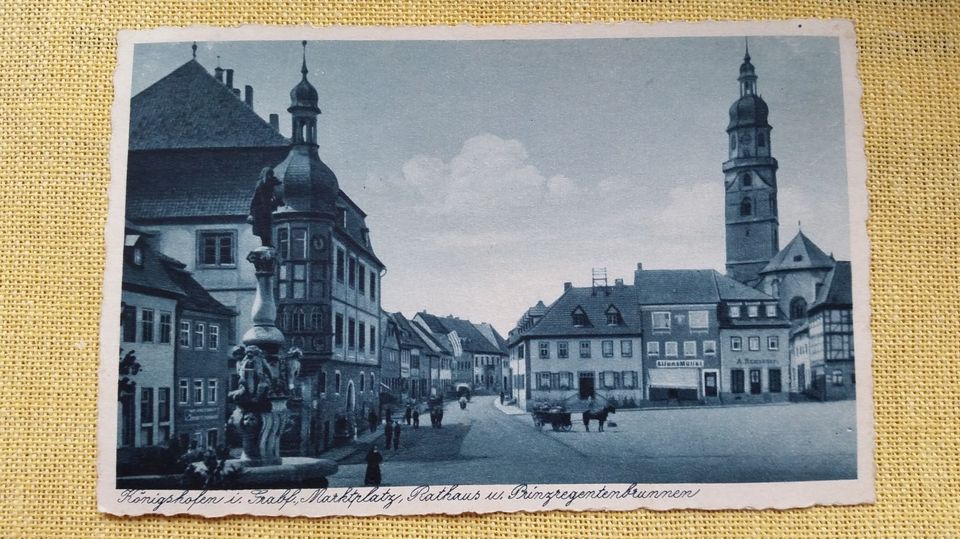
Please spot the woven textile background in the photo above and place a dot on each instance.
(56, 67)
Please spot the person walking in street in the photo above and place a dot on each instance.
(407, 414)
(373, 420)
(416, 419)
(388, 432)
(396, 436)
(373, 478)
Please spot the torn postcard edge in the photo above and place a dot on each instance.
(382, 308)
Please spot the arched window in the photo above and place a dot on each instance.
(733, 141)
(322, 382)
(798, 308)
(746, 206)
(761, 140)
(316, 319)
(283, 318)
(299, 320)
(363, 384)
(747, 180)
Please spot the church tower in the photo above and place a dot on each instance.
(750, 183)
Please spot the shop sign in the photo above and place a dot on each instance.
(672, 363)
(201, 414)
(750, 361)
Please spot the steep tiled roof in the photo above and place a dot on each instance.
(408, 336)
(837, 290)
(800, 253)
(472, 339)
(730, 289)
(190, 109)
(197, 298)
(151, 274)
(493, 336)
(664, 287)
(558, 320)
(195, 183)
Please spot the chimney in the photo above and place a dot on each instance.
(248, 95)
(639, 266)
(275, 122)
(567, 286)
(618, 282)
(636, 274)
(230, 79)
(218, 72)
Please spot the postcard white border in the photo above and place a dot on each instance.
(781, 495)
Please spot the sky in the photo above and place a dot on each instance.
(494, 171)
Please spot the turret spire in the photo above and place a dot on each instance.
(194, 48)
(746, 49)
(303, 67)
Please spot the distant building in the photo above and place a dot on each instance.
(585, 347)
(416, 358)
(519, 353)
(391, 374)
(830, 338)
(477, 360)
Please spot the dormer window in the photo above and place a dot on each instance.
(613, 316)
(580, 318)
(798, 258)
(138, 256)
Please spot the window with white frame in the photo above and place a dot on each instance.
(771, 310)
(543, 380)
(607, 348)
(216, 248)
(609, 379)
(585, 349)
(734, 311)
(183, 391)
(212, 387)
(565, 380)
(836, 377)
(213, 336)
(653, 348)
(736, 343)
(146, 325)
(166, 327)
(699, 319)
(709, 348)
(689, 348)
(626, 348)
(629, 379)
(753, 343)
(185, 333)
(563, 350)
(199, 330)
(753, 311)
(198, 392)
(773, 342)
(661, 320)
(670, 349)
(544, 350)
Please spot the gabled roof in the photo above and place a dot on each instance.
(471, 338)
(493, 336)
(189, 108)
(837, 289)
(197, 298)
(408, 336)
(733, 290)
(800, 253)
(558, 320)
(666, 287)
(151, 274)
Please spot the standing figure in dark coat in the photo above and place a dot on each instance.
(416, 419)
(396, 436)
(372, 419)
(388, 431)
(373, 477)
(265, 201)
(407, 414)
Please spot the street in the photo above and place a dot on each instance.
(483, 445)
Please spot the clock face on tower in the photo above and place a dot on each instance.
(745, 138)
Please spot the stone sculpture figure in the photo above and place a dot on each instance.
(265, 201)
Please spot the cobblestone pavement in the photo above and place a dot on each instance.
(482, 445)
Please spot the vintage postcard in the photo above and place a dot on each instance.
(363, 271)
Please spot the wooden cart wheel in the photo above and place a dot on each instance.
(556, 426)
(567, 427)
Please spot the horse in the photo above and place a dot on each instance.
(600, 416)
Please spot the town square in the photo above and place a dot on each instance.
(449, 285)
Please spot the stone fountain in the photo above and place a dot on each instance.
(267, 375)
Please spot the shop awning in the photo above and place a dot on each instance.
(685, 378)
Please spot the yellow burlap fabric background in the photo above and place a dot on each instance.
(56, 67)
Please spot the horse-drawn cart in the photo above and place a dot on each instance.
(556, 416)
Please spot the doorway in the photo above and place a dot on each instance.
(710, 383)
(755, 381)
(586, 385)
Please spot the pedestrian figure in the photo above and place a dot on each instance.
(372, 477)
(407, 414)
(388, 431)
(501, 398)
(416, 419)
(373, 420)
(396, 436)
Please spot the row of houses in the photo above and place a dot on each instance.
(688, 336)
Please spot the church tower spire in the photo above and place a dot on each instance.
(752, 223)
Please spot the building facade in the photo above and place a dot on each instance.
(585, 349)
(477, 361)
(754, 351)
(830, 336)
